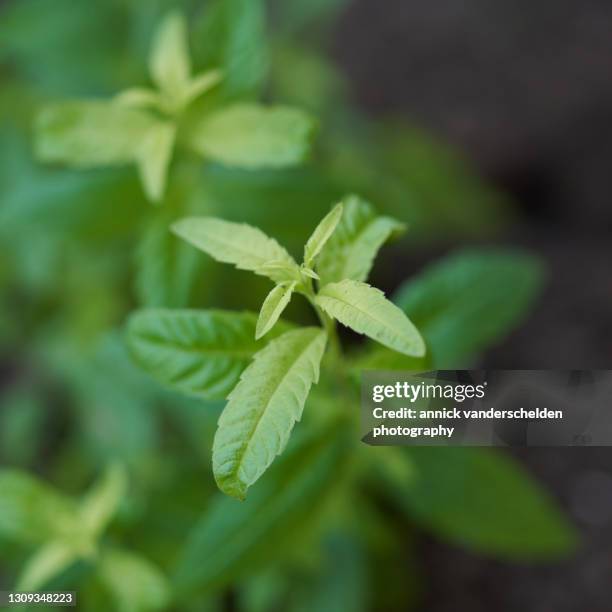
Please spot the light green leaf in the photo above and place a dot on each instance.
(273, 307)
(351, 250)
(31, 511)
(280, 271)
(46, 563)
(139, 98)
(254, 136)
(467, 302)
(309, 272)
(248, 248)
(166, 267)
(255, 425)
(169, 63)
(321, 234)
(201, 83)
(89, 134)
(483, 500)
(366, 310)
(232, 539)
(199, 353)
(136, 584)
(154, 158)
(101, 502)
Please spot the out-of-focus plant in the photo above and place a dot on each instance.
(315, 532)
(143, 125)
(66, 531)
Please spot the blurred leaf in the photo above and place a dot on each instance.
(87, 134)
(101, 502)
(231, 36)
(22, 420)
(166, 267)
(200, 353)
(253, 136)
(352, 248)
(481, 499)
(465, 303)
(47, 562)
(234, 538)
(366, 310)
(201, 83)
(262, 409)
(341, 583)
(114, 402)
(246, 247)
(31, 511)
(272, 308)
(136, 584)
(154, 158)
(322, 234)
(170, 64)
(376, 357)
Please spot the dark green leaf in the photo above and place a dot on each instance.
(481, 499)
(467, 302)
(200, 353)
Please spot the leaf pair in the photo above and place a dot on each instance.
(141, 125)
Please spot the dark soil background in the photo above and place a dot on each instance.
(525, 89)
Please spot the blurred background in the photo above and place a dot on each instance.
(477, 123)
(524, 90)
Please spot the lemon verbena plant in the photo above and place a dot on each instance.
(267, 368)
(146, 125)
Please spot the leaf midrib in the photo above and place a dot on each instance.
(365, 312)
(197, 350)
(270, 399)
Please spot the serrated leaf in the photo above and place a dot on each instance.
(169, 64)
(47, 562)
(246, 247)
(366, 310)
(255, 425)
(135, 582)
(31, 511)
(321, 234)
(166, 267)
(89, 134)
(466, 302)
(351, 250)
(154, 158)
(253, 136)
(101, 502)
(273, 307)
(199, 353)
(483, 500)
(233, 538)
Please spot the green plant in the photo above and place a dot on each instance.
(67, 530)
(144, 125)
(330, 524)
(270, 395)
